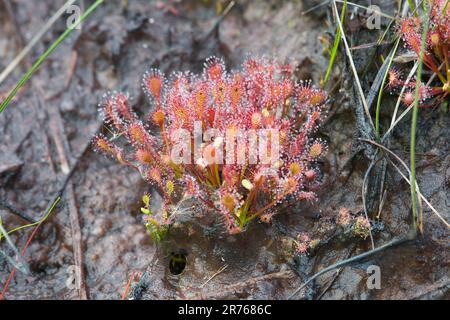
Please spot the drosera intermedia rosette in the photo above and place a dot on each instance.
(235, 143)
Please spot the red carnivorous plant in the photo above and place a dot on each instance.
(238, 143)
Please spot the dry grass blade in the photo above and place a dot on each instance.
(214, 275)
(407, 180)
(352, 65)
(13, 64)
(387, 64)
(394, 242)
(382, 14)
(363, 194)
(396, 120)
(21, 264)
(47, 53)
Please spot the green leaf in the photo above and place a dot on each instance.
(337, 40)
(146, 199)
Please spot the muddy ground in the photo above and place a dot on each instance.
(98, 224)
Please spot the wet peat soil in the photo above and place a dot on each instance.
(98, 223)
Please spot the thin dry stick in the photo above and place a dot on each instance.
(62, 144)
(77, 241)
(397, 105)
(421, 196)
(338, 272)
(395, 121)
(13, 64)
(355, 73)
(396, 241)
(219, 20)
(380, 207)
(20, 264)
(49, 209)
(56, 128)
(214, 275)
(244, 285)
(380, 13)
(412, 234)
(364, 192)
(315, 7)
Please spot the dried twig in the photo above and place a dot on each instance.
(364, 192)
(407, 180)
(49, 209)
(214, 275)
(231, 290)
(20, 264)
(218, 21)
(12, 209)
(352, 64)
(394, 242)
(62, 145)
(338, 272)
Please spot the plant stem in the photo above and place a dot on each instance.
(394, 242)
(414, 122)
(445, 6)
(337, 40)
(412, 6)
(380, 94)
(45, 55)
(34, 223)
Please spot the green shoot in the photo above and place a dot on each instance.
(414, 122)
(337, 40)
(412, 6)
(47, 214)
(157, 231)
(380, 93)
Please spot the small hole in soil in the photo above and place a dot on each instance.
(177, 262)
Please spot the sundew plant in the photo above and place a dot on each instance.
(436, 57)
(237, 144)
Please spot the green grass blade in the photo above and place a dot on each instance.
(21, 264)
(45, 55)
(380, 93)
(414, 122)
(337, 40)
(35, 39)
(46, 215)
(444, 9)
(412, 6)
